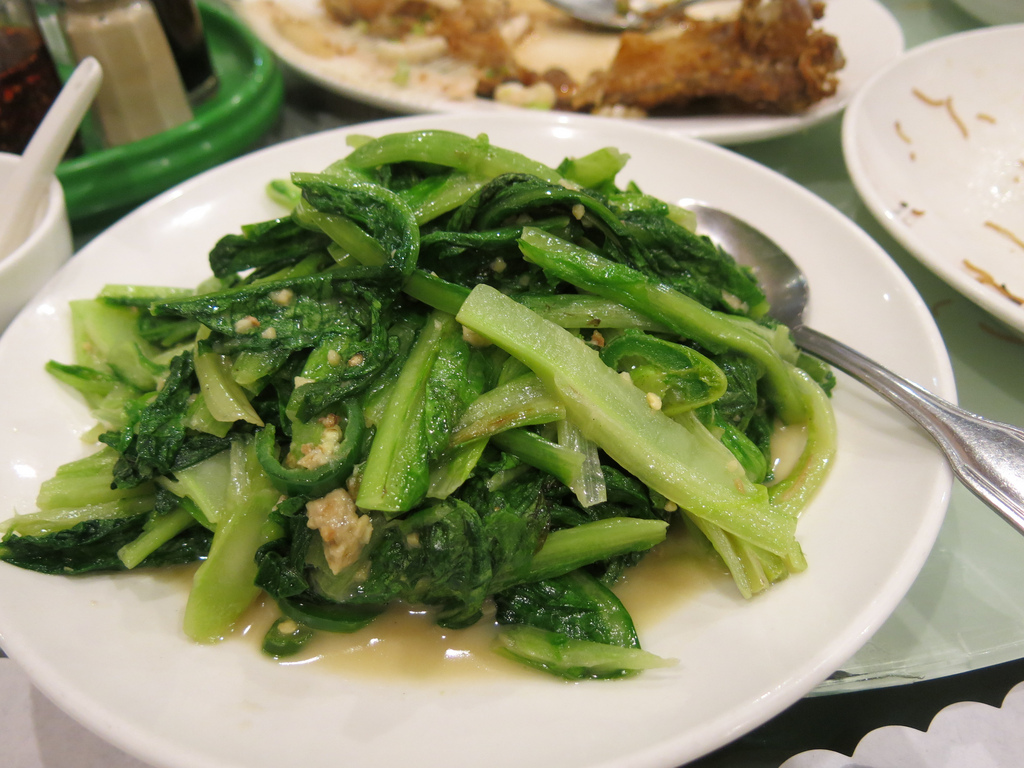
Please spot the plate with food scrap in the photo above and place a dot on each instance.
(935, 147)
(111, 649)
(700, 76)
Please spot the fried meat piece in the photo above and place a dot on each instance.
(769, 59)
(471, 28)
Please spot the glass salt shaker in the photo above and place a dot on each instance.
(143, 93)
(28, 77)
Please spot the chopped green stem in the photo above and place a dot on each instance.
(226, 400)
(518, 403)
(571, 658)
(789, 495)
(558, 461)
(584, 311)
(567, 549)
(689, 318)
(435, 292)
(156, 533)
(224, 585)
(476, 157)
(588, 485)
(62, 518)
(396, 475)
(686, 464)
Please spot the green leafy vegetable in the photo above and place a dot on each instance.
(446, 377)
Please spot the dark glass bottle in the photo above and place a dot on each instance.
(28, 77)
(184, 29)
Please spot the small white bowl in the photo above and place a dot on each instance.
(35, 261)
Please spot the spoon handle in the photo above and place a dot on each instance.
(987, 456)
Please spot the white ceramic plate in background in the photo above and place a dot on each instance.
(994, 11)
(869, 36)
(109, 649)
(947, 179)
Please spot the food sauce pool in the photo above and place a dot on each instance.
(405, 644)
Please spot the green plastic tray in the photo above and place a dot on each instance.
(103, 185)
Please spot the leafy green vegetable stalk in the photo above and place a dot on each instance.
(224, 585)
(396, 476)
(686, 465)
(679, 312)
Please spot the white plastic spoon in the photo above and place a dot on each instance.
(32, 175)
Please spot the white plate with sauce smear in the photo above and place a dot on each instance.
(935, 147)
(869, 37)
(109, 649)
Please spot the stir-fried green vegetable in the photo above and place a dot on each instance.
(447, 375)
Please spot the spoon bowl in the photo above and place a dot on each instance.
(986, 456)
(31, 177)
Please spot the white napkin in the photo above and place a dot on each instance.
(963, 735)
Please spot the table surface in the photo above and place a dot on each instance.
(959, 633)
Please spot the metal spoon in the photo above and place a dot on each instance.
(987, 456)
(617, 14)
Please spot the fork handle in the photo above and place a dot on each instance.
(987, 456)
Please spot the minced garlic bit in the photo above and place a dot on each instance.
(333, 357)
(498, 265)
(300, 381)
(578, 211)
(353, 483)
(625, 375)
(597, 339)
(283, 297)
(246, 324)
(316, 456)
(473, 338)
(269, 333)
(671, 506)
(343, 530)
(287, 627)
(654, 401)
(356, 360)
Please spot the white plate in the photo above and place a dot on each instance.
(994, 11)
(869, 36)
(935, 186)
(110, 649)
